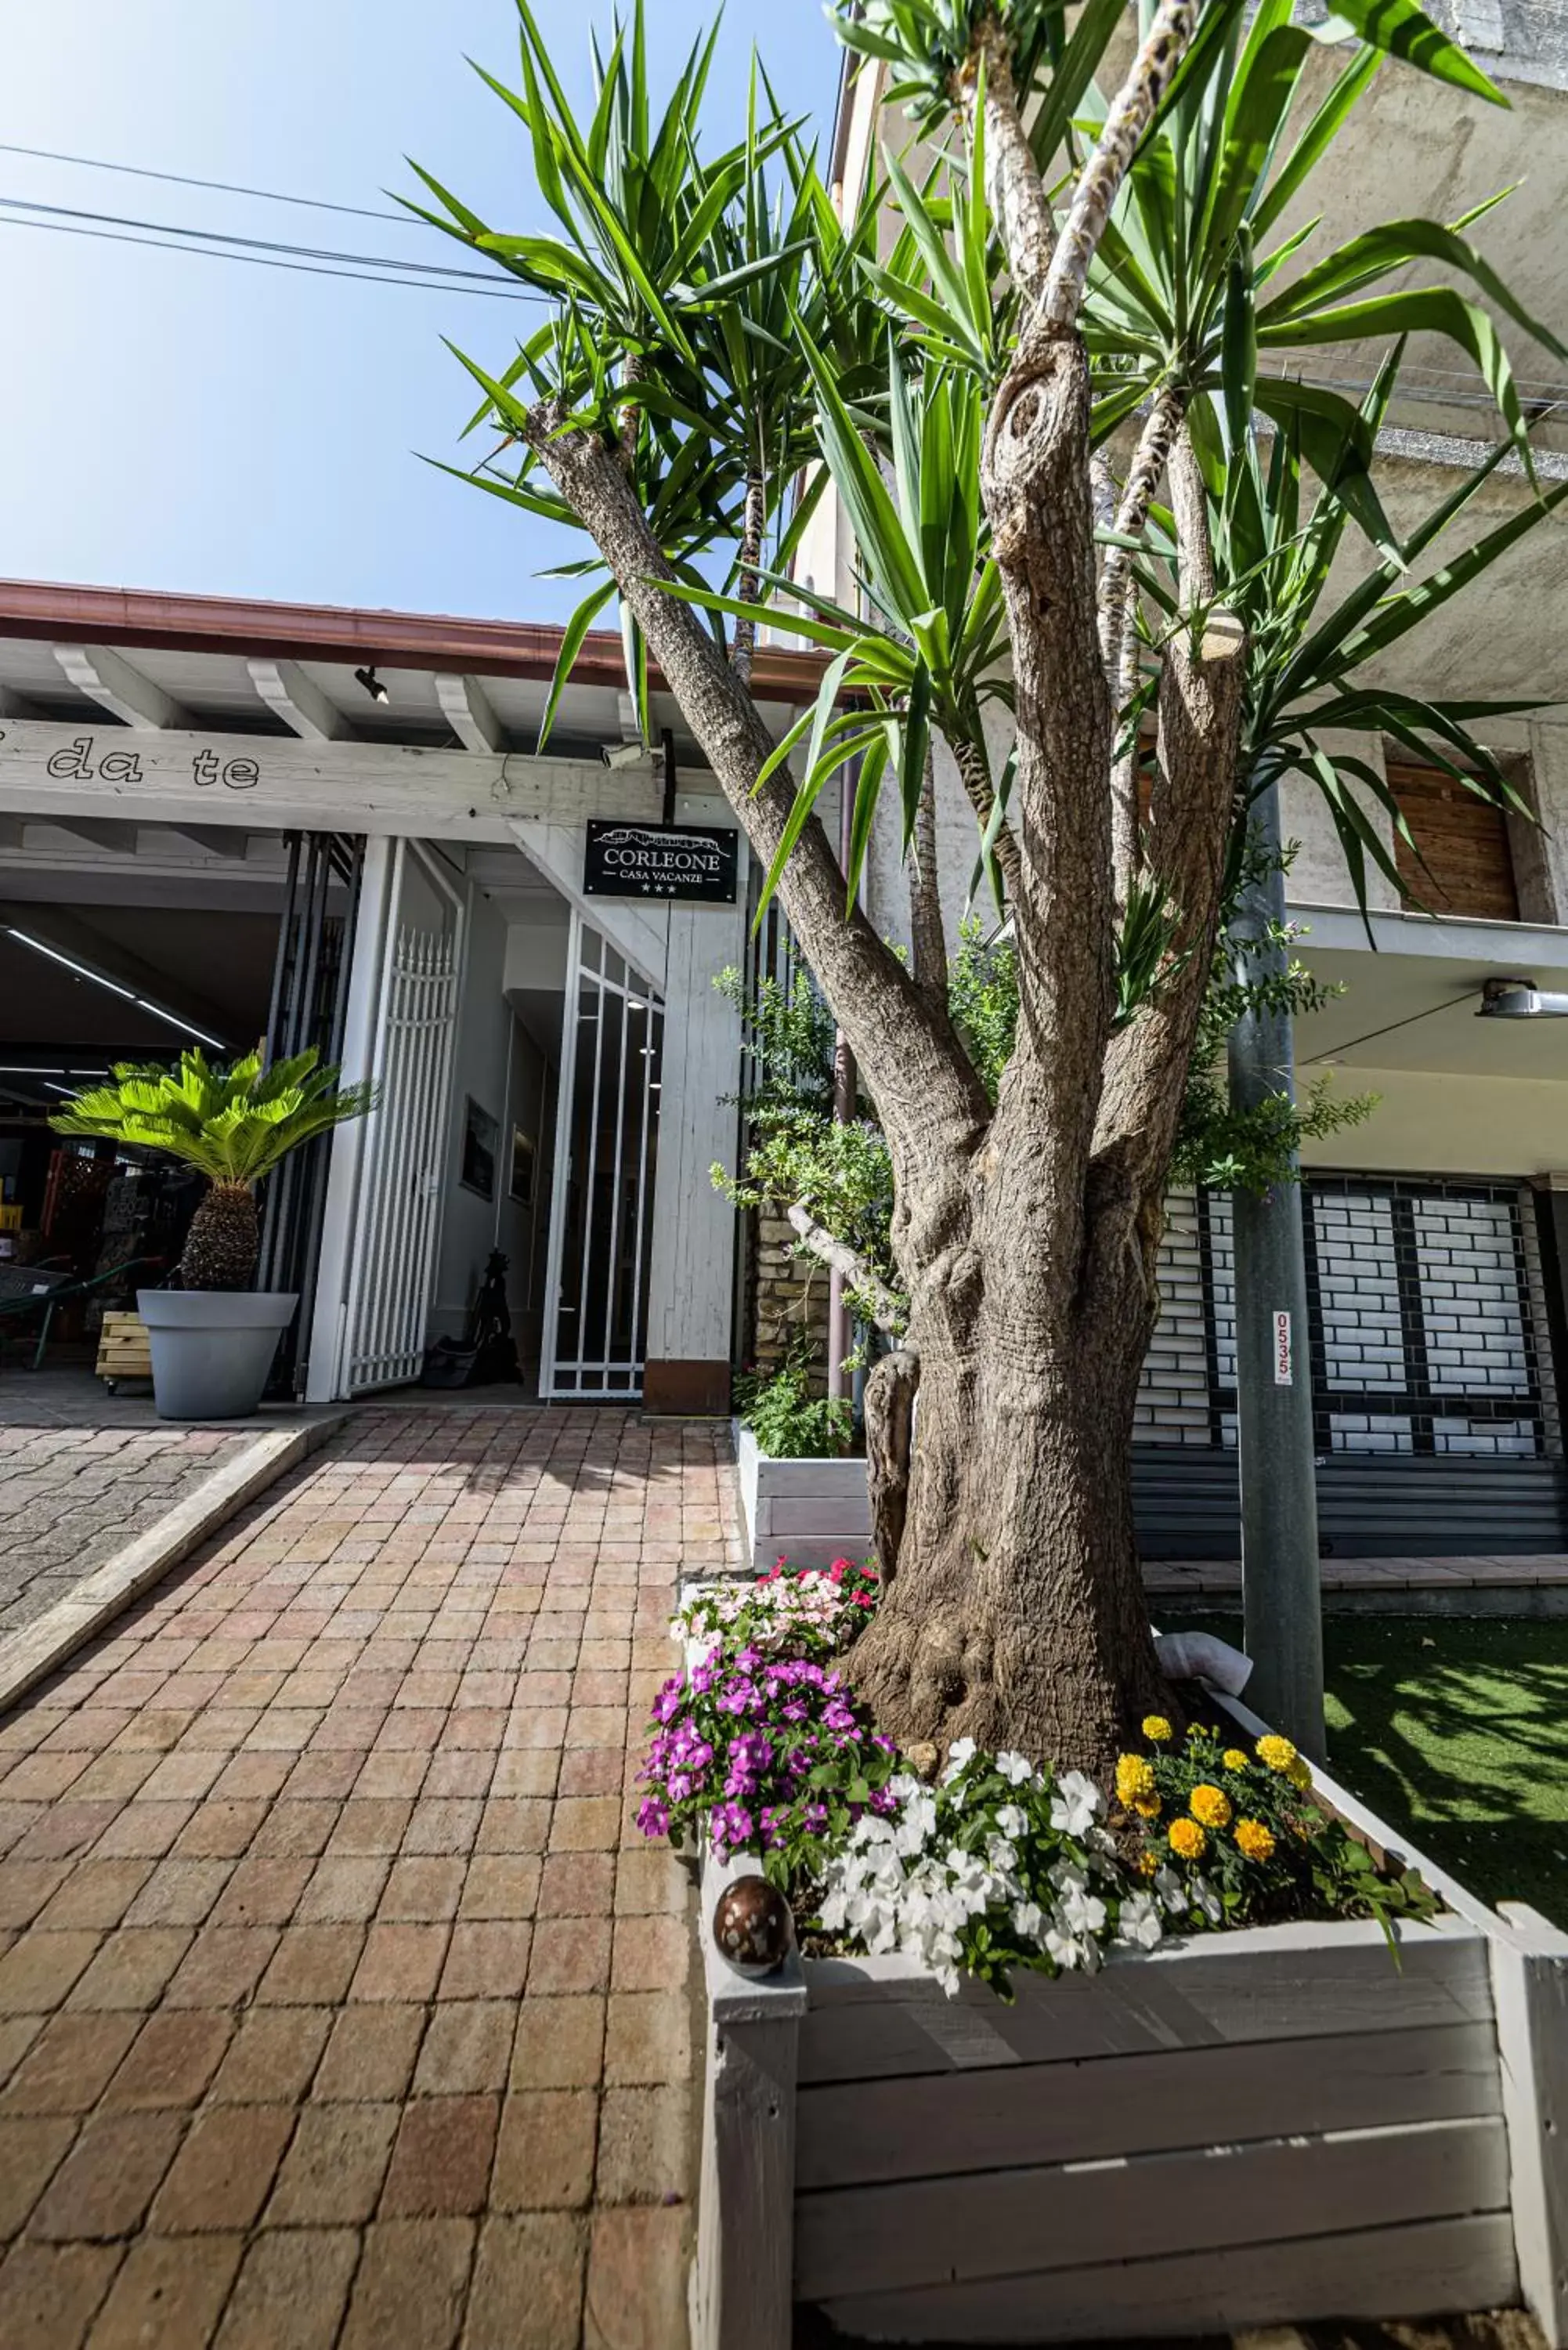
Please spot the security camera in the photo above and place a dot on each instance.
(622, 754)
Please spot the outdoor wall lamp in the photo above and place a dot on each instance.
(371, 683)
(1519, 999)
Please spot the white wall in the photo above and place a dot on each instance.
(490, 1053)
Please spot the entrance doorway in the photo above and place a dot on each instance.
(612, 1041)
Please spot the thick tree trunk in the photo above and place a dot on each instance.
(890, 1390)
(1016, 1616)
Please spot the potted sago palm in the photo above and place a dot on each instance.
(213, 1337)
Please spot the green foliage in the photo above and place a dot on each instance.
(788, 1421)
(1248, 1821)
(680, 280)
(982, 998)
(234, 1125)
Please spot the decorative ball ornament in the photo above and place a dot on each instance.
(753, 1926)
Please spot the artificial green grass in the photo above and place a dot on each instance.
(1456, 1729)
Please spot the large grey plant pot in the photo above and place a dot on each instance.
(213, 1348)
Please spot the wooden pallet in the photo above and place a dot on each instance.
(124, 1351)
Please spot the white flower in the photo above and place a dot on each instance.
(1013, 1767)
(1028, 1917)
(1012, 1822)
(1140, 1921)
(960, 1752)
(1074, 1803)
(1171, 1890)
(1085, 1913)
(1062, 1949)
(1208, 1900)
(917, 1823)
(1001, 1853)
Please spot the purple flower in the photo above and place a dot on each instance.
(729, 1827)
(669, 1701)
(884, 1801)
(653, 1817)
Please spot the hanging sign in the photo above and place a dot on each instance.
(1284, 1375)
(665, 860)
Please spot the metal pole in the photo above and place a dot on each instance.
(1280, 1589)
(839, 1335)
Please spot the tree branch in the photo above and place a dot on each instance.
(1100, 181)
(743, 640)
(913, 1066)
(974, 774)
(1018, 200)
(928, 960)
(1119, 629)
(887, 1311)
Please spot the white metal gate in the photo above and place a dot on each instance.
(399, 1200)
(602, 1208)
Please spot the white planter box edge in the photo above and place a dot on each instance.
(1258, 2128)
(809, 1512)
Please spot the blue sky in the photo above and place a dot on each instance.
(187, 424)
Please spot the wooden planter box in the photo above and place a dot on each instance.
(1259, 2128)
(809, 1512)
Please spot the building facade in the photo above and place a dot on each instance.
(221, 821)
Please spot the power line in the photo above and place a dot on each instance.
(260, 243)
(1337, 1052)
(185, 179)
(270, 261)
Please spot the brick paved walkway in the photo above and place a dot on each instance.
(70, 1497)
(340, 2001)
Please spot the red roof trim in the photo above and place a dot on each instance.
(218, 624)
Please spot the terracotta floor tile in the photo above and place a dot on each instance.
(222, 2175)
(31, 2151)
(527, 2287)
(49, 2294)
(174, 2056)
(111, 2174)
(545, 2153)
(272, 2056)
(291, 2289)
(370, 2053)
(411, 2287)
(441, 2164)
(169, 2293)
(69, 2064)
(333, 2171)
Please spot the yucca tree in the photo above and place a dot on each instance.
(1071, 307)
(233, 1125)
(680, 282)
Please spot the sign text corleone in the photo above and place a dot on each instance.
(636, 860)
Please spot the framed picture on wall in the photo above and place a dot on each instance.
(522, 1184)
(480, 1134)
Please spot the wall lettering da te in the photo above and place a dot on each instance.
(81, 761)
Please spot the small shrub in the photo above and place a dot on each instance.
(792, 1424)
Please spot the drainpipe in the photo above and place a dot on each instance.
(1281, 1587)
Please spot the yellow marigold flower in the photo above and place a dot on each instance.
(1277, 1752)
(1298, 1774)
(1188, 1840)
(1255, 1840)
(1148, 1864)
(1147, 1806)
(1212, 1806)
(1233, 1758)
(1156, 1727)
(1134, 1778)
